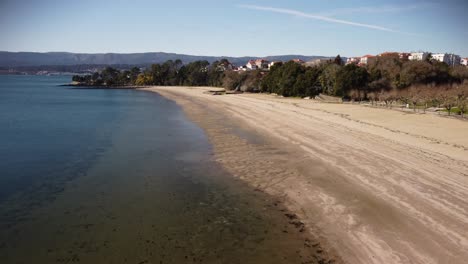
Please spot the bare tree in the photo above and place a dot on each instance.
(446, 96)
(414, 95)
(372, 96)
(353, 94)
(382, 96)
(461, 93)
(388, 97)
(404, 97)
(428, 96)
(362, 95)
(391, 97)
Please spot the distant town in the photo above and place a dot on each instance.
(449, 59)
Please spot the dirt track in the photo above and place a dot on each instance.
(380, 186)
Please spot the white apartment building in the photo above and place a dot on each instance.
(454, 60)
(450, 59)
(418, 56)
(442, 57)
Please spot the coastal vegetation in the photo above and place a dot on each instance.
(384, 81)
(109, 77)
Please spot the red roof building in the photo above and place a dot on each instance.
(366, 59)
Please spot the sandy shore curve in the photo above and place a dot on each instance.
(374, 185)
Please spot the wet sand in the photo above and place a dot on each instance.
(373, 185)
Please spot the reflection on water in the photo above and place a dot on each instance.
(137, 187)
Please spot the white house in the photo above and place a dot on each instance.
(257, 64)
(464, 61)
(355, 60)
(251, 65)
(418, 56)
(404, 55)
(262, 64)
(366, 59)
(272, 63)
(242, 68)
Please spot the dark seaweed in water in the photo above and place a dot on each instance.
(120, 176)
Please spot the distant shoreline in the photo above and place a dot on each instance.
(100, 87)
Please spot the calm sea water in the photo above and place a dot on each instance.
(121, 176)
(47, 131)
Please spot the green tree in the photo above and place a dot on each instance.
(328, 79)
(134, 72)
(350, 77)
(197, 73)
(110, 76)
(338, 60)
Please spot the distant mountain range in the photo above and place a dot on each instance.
(15, 60)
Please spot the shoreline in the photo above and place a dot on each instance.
(142, 190)
(98, 87)
(387, 212)
(246, 139)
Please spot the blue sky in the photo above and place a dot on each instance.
(235, 28)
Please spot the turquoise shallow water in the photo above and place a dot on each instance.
(121, 176)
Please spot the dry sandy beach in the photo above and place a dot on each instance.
(373, 185)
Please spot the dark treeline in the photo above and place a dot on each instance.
(175, 73)
(333, 78)
(199, 73)
(109, 77)
(290, 78)
(386, 79)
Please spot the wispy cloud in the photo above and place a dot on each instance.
(317, 17)
(375, 10)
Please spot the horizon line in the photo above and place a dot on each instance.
(232, 56)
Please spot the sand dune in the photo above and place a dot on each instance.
(377, 186)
